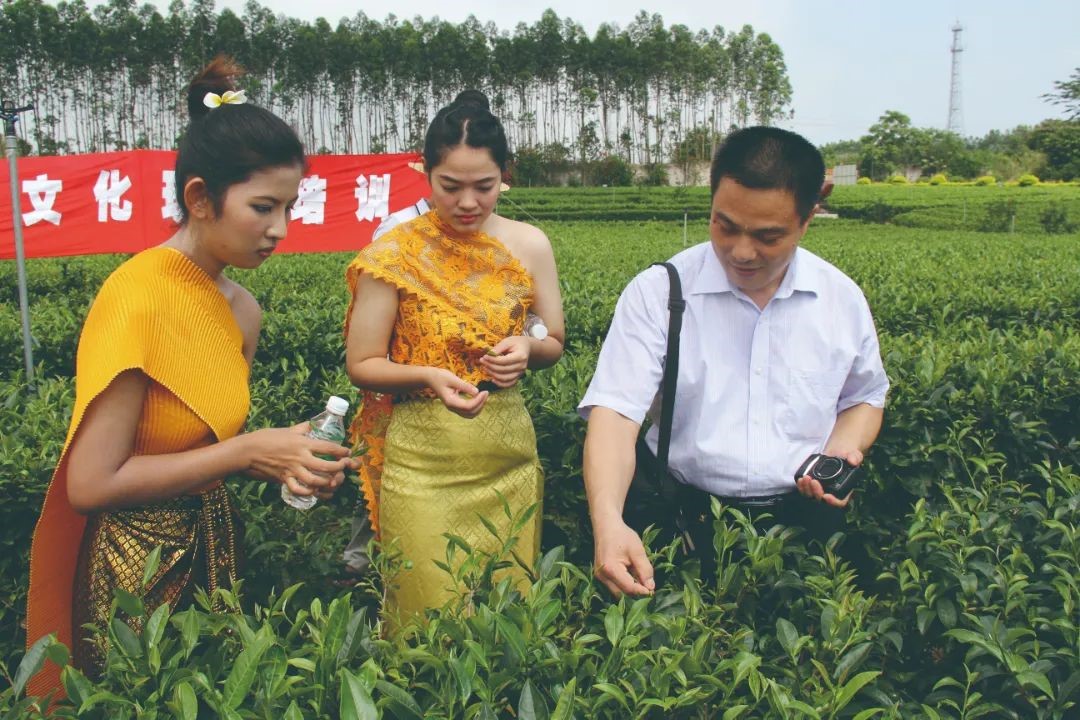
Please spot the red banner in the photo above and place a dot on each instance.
(124, 202)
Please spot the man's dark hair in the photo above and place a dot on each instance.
(768, 158)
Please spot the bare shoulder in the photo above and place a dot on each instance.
(528, 242)
(244, 306)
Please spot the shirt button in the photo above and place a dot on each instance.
(757, 371)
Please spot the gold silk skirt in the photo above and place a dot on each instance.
(198, 538)
(442, 473)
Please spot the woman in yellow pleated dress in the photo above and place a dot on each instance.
(435, 339)
(161, 391)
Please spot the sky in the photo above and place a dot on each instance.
(849, 61)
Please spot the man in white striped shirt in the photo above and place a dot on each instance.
(778, 359)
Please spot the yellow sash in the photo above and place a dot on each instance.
(459, 295)
(163, 315)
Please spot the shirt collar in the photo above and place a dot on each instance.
(798, 278)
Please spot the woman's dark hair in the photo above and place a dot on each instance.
(768, 158)
(226, 145)
(465, 121)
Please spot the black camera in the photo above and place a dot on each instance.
(836, 475)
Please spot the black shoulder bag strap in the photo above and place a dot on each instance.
(676, 306)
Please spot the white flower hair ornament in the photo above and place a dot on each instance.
(229, 97)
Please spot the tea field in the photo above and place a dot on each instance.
(965, 602)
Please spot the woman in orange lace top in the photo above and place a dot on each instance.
(435, 339)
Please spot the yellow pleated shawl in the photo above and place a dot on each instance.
(163, 315)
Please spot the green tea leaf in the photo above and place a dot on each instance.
(131, 604)
(564, 706)
(155, 626)
(1039, 680)
(851, 660)
(189, 631)
(356, 621)
(242, 675)
(126, 638)
(530, 705)
(58, 654)
(851, 688)
(303, 664)
(31, 663)
(187, 702)
(153, 562)
(76, 685)
(946, 612)
(869, 713)
(512, 636)
(401, 697)
(464, 677)
(613, 624)
(336, 627)
(356, 702)
(613, 692)
(787, 635)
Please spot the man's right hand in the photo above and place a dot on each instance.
(620, 562)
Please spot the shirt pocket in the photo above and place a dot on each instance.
(810, 402)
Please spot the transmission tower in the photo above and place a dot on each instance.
(956, 120)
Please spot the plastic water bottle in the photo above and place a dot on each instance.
(535, 327)
(327, 425)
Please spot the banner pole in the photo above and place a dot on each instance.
(10, 114)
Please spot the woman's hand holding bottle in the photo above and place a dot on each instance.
(289, 456)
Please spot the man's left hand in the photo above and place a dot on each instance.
(811, 488)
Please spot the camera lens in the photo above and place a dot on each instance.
(828, 468)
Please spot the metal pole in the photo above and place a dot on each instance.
(10, 114)
(685, 215)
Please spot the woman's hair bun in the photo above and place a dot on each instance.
(473, 98)
(217, 77)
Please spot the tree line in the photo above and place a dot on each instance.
(1049, 150)
(114, 78)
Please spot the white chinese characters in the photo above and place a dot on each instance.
(372, 196)
(109, 192)
(310, 204)
(116, 193)
(170, 209)
(42, 192)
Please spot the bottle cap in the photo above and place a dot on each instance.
(538, 331)
(337, 405)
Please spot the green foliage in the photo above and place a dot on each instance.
(654, 175)
(939, 179)
(985, 181)
(1059, 143)
(1027, 180)
(965, 605)
(366, 85)
(612, 171)
(1067, 94)
(864, 181)
(897, 180)
(1000, 216)
(1055, 220)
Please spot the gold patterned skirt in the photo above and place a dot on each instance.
(197, 534)
(442, 474)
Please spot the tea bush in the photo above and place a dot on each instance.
(965, 604)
